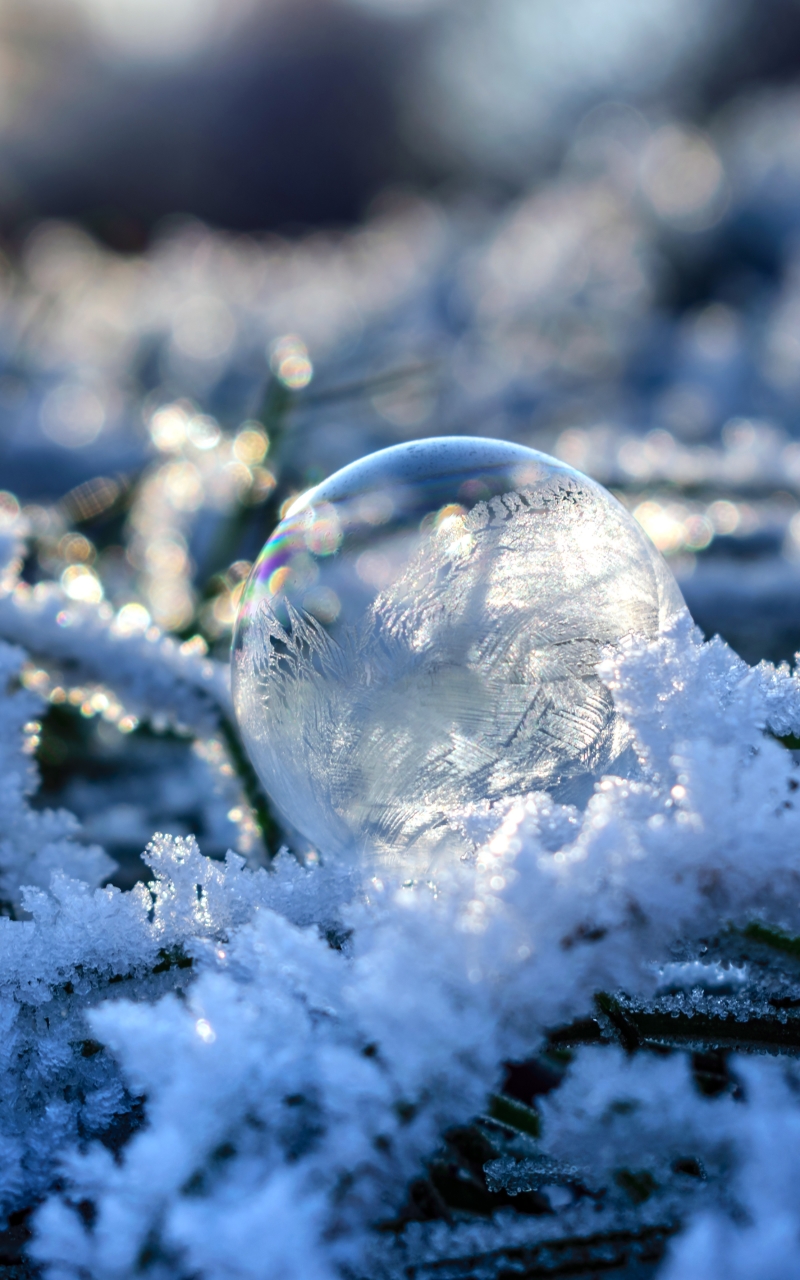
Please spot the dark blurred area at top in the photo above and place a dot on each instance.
(268, 114)
(283, 118)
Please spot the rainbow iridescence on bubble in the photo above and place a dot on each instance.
(420, 633)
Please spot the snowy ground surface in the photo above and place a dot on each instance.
(242, 1071)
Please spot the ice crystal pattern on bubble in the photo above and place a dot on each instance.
(471, 676)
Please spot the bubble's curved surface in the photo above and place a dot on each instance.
(421, 631)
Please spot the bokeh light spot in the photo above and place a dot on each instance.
(290, 362)
(81, 583)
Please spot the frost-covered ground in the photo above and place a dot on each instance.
(289, 1067)
(294, 1042)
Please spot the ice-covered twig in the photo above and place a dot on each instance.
(153, 674)
(33, 843)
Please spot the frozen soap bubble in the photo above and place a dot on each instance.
(421, 631)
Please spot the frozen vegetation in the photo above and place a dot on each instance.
(272, 1065)
(235, 1072)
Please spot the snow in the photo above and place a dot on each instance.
(293, 1088)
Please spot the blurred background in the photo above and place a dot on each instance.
(247, 241)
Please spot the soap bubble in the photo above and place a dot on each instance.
(421, 632)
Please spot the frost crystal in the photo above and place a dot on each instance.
(422, 631)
